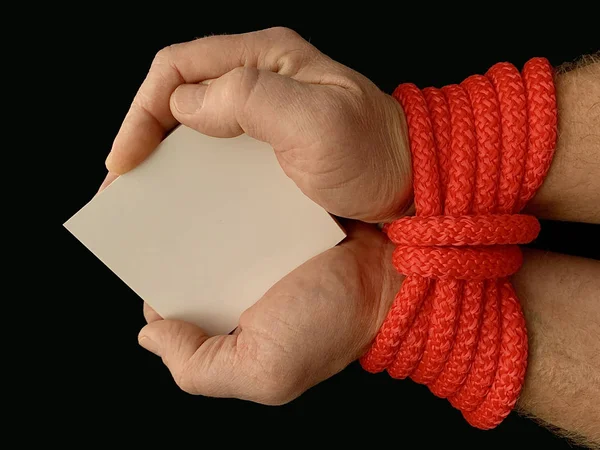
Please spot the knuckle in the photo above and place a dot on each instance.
(287, 52)
(291, 62)
(167, 57)
(284, 33)
(163, 56)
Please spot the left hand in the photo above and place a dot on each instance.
(334, 132)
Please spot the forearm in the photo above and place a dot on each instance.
(571, 190)
(560, 296)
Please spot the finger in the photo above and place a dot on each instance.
(110, 177)
(149, 117)
(263, 104)
(199, 364)
(150, 315)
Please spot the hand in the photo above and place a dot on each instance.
(339, 137)
(308, 327)
(343, 142)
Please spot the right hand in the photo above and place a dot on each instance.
(336, 135)
(305, 329)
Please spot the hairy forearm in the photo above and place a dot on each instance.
(571, 191)
(560, 296)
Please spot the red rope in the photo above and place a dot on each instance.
(480, 151)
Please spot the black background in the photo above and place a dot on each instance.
(111, 388)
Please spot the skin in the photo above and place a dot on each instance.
(344, 143)
(559, 295)
(334, 132)
(571, 190)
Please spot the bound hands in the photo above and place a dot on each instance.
(344, 144)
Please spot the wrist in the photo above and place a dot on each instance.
(385, 281)
(401, 151)
(398, 173)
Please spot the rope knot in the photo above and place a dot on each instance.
(464, 247)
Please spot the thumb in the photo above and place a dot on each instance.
(199, 364)
(260, 103)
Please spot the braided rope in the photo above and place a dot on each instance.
(480, 151)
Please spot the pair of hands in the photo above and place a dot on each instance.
(344, 144)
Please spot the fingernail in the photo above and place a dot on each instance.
(149, 344)
(110, 177)
(108, 161)
(188, 98)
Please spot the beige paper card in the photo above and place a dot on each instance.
(204, 227)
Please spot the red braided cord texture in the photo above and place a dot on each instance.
(480, 151)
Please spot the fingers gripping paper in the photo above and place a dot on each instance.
(204, 227)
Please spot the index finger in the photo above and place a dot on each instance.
(149, 118)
